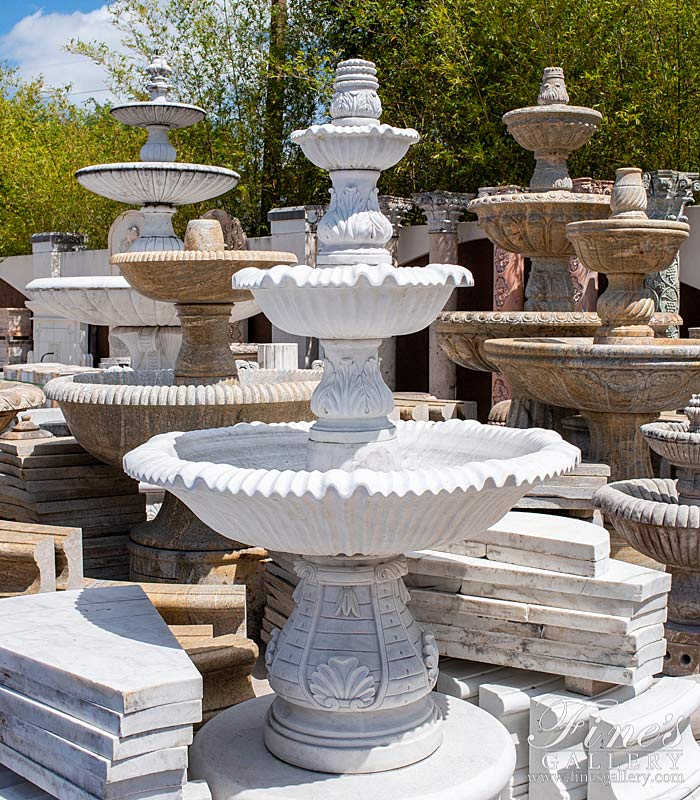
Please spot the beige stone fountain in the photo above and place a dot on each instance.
(110, 413)
(623, 377)
(533, 223)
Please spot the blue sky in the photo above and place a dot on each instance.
(33, 35)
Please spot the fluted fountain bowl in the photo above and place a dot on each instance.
(462, 333)
(106, 300)
(165, 114)
(622, 378)
(623, 245)
(534, 224)
(372, 146)
(456, 477)
(195, 276)
(157, 183)
(674, 442)
(353, 302)
(111, 413)
(555, 127)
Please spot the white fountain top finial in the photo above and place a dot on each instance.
(159, 72)
(355, 100)
(553, 88)
(692, 411)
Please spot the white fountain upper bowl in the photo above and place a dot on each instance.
(353, 302)
(169, 115)
(157, 183)
(457, 479)
(375, 147)
(106, 300)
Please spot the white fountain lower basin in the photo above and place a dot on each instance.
(110, 300)
(353, 302)
(456, 477)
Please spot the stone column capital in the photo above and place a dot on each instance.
(395, 209)
(442, 209)
(669, 192)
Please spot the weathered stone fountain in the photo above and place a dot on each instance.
(623, 377)
(353, 714)
(533, 223)
(111, 413)
(15, 398)
(660, 517)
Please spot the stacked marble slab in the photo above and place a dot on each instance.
(535, 592)
(97, 699)
(54, 481)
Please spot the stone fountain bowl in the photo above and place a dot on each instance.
(111, 413)
(576, 373)
(157, 183)
(457, 477)
(462, 333)
(354, 302)
(674, 442)
(16, 397)
(167, 114)
(375, 147)
(107, 300)
(552, 127)
(194, 276)
(535, 223)
(627, 245)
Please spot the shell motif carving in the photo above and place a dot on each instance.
(349, 389)
(342, 684)
(431, 656)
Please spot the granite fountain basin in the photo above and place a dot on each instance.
(455, 478)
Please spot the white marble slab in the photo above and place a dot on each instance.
(623, 581)
(569, 566)
(461, 679)
(88, 736)
(106, 646)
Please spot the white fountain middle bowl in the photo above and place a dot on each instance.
(101, 300)
(457, 479)
(353, 302)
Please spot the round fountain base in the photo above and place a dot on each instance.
(475, 761)
(683, 650)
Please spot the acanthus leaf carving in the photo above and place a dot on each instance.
(431, 656)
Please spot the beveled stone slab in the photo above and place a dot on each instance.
(461, 679)
(67, 546)
(106, 647)
(90, 737)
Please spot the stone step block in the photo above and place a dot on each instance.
(106, 647)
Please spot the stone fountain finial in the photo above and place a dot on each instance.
(692, 411)
(159, 72)
(355, 100)
(553, 89)
(629, 197)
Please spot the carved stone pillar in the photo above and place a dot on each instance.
(668, 192)
(394, 209)
(442, 211)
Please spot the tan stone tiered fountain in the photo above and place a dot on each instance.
(533, 223)
(110, 413)
(623, 377)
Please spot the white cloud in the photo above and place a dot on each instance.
(35, 44)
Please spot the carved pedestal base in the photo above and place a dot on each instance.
(205, 354)
(352, 671)
(683, 650)
(617, 441)
(549, 286)
(149, 347)
(527, 413)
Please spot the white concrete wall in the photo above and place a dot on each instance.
(690, 251)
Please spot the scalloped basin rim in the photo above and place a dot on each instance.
(327, 129)
(302, 276)
(157, 462)
(632, 225)
(80, 282)
(556, 199)
(561, 110)
(147, 166)
(671, 432)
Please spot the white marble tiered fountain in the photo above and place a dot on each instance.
(149, 329)
(354, 714)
